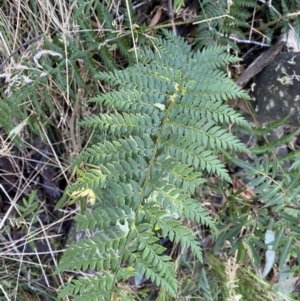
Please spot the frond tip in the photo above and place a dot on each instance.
(164, 138)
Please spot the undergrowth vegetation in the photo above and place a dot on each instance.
(156, 152)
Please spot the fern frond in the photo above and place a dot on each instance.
(139, 82)
(100, 282)
(174, 44)
(182, 175)
(168, 55)
(215, 86)
(174, 231)
(123, 124)
(195, 155)
(117, 150)
(177, 202)
(102, 219)
(130, 101)
(167, 130)
(218, 112)
(194, 211)
(214, 57)
(92, 179)
(207, 133)
(96, 253)
(149, 261)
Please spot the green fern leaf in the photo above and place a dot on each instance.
(84, 287)
(167, 130)
(102, 219)
(96, 253)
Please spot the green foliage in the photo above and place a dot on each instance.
(219, 19)
(274, 184)
(284, 11)
(62, 64)
(222, 22)
(30, 207)
(163, 140)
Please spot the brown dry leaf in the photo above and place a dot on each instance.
(238, 184)
(155, 18)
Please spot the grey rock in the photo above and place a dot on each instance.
(276, 90)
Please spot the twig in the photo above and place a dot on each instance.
(171, 16)
(248, 42)
(72, 128)
(18, 49)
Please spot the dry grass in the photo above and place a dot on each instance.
(43, 134)
(30, 246)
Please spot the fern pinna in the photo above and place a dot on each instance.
(165, 132)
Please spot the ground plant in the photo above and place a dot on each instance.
(116, 114)
(164, 137)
